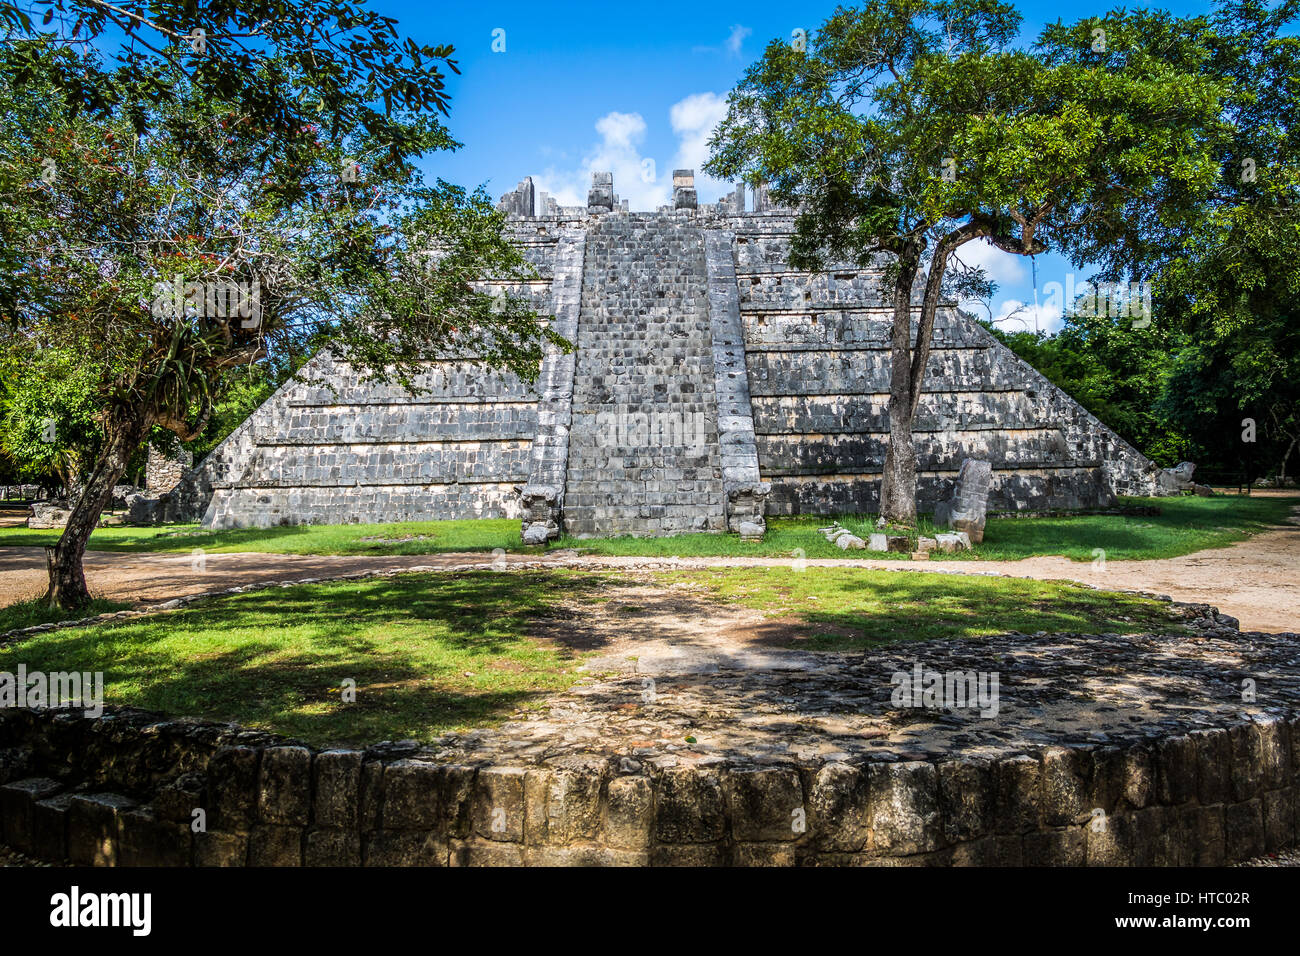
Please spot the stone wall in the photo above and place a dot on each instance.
(123, 790)
(789, 370)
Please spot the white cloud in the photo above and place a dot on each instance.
(1016, 316)
(1004, 268)
(694, 119)
(617, 152)
(646, 182)
(736, 38)
(731, 46)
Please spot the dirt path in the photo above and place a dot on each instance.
(1256, 581)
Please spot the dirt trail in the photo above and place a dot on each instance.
(1257, 580)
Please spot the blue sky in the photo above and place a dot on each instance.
(636, 89)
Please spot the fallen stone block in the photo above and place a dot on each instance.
(878, 542)
(899, 543)
(847, 542)
(952, 541)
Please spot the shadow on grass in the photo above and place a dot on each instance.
(424, 653)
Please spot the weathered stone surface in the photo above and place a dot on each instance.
(284, 794)
(405, 848)
(93, 826)
(903, 808)
(630, 813)
(232, 787)
(765, 805)
(333, 848)
(217, 848)
(690, 807)
(271, 844)
(692, 313)
(562, 804)
(499, 804)
(48, 514)
(337, 800)
(17, 800)
(144, 839)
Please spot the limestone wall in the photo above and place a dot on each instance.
(331, 448)
(817, 352)
(123, 790)
(693, 310)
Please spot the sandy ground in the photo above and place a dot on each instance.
(1256, 581)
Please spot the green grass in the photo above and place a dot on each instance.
(849, 608)
(428, 654)
(409, 537)
(431, 653)
(36, 611)
(1184, 526)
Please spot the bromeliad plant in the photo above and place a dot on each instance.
(171, 243)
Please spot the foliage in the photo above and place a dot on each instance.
(911, 127)
(200, 203)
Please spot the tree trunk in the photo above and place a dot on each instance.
(1281, 477)
(898, 481)
(125, 430)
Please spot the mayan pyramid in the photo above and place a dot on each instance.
(712, 384)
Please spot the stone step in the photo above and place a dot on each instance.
(644, 386)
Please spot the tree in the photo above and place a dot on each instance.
(1113, 369)
(1231, 289)
(911, 127)
(169, 239)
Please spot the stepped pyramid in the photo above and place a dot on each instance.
(712, 384)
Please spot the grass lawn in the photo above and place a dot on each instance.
(1185, 525)
(428, 654)
(435, 652)
(850, 608)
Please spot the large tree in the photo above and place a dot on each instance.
(911, 127)
(193, 208)
(1232, 289)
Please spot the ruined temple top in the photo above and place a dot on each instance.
(526, 202)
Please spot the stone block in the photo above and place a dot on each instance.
(405, 848)
(50, 828)
(1064, 779)
(332, 848)
(967, 797)
(337, 789)
(562, 803)
(629, 815)
(498, 812)
(284, 790)
(765, 804)
(272, 844)
(1017, 783)
(1243, 830)
(232, 787)
(17, 801)
(903, 808)
(220, 848)
(92, 828)
(145, 839)
(690, 807)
